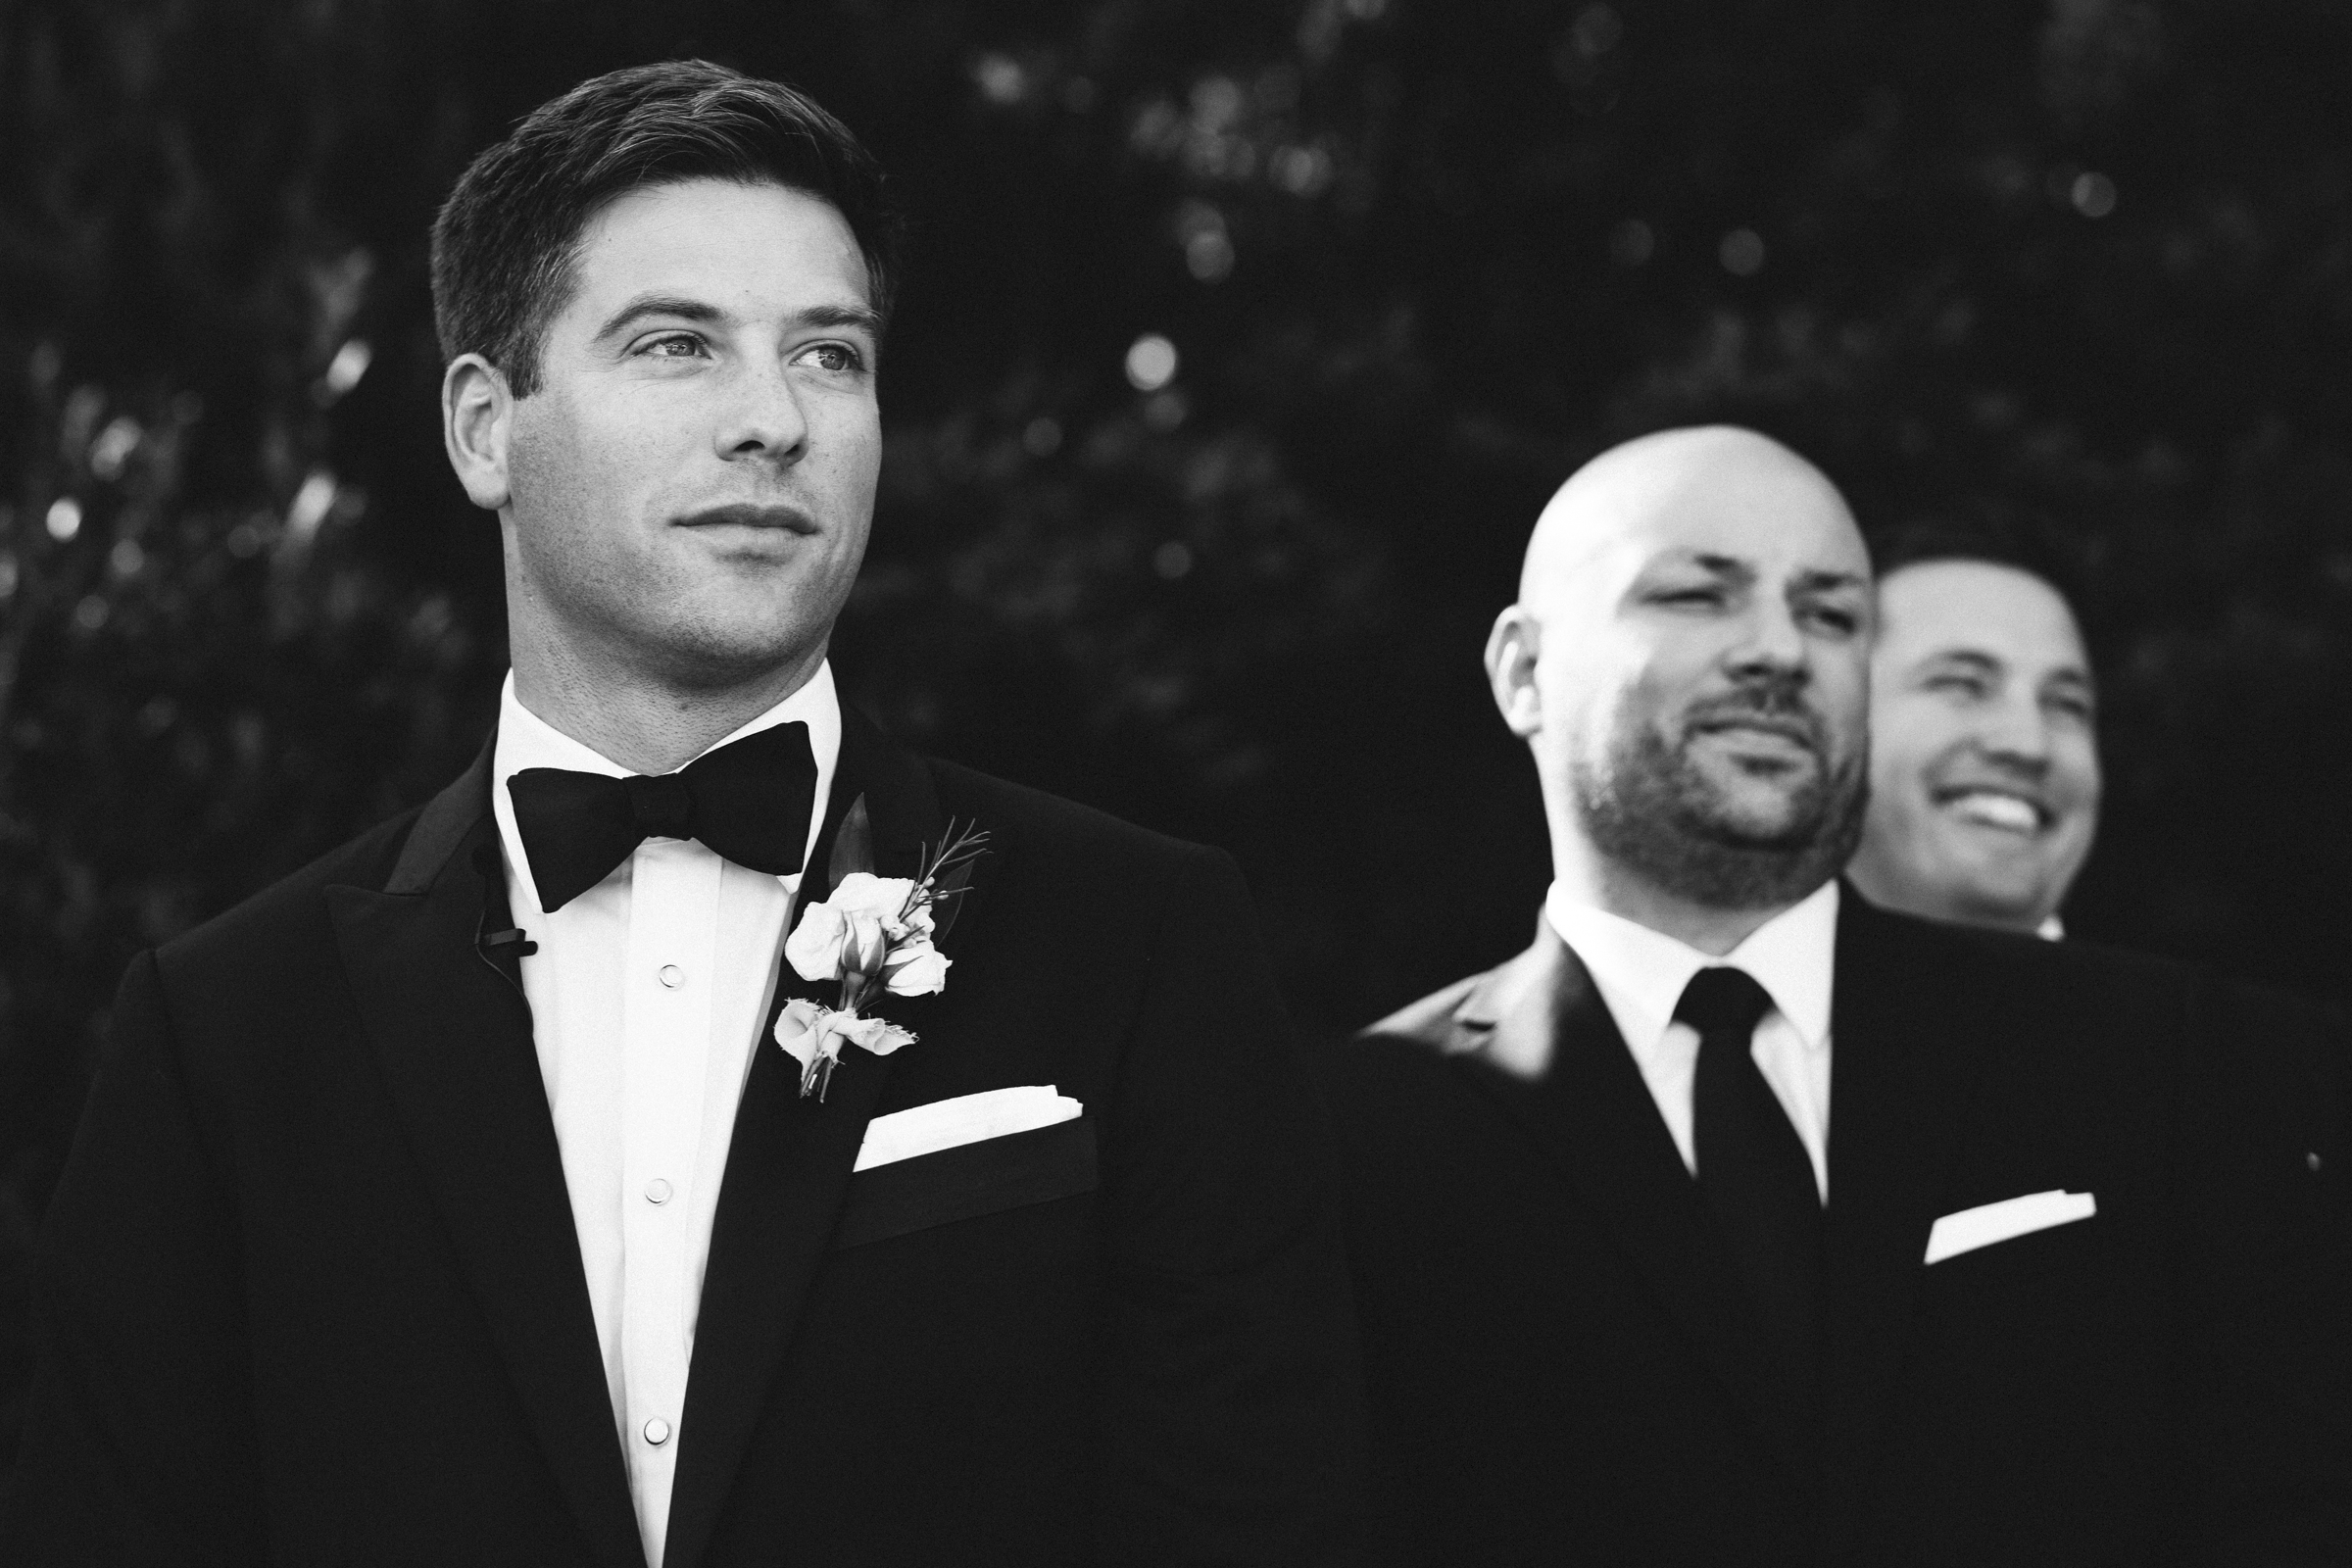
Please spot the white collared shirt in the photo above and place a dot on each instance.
(1641, 974)
(648, 994)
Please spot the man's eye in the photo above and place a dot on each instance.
(836, 359)
(2077, 708)
(1689, 596)
(1841, 622)
(1969, 686)
(679, 346)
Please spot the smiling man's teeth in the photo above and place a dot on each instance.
(1998, 811)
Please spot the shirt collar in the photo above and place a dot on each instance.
(1641, 973)
(525, 740)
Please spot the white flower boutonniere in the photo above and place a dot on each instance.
(874, 935)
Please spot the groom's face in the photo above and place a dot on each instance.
(693, 483)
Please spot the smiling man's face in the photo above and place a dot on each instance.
(692, 486)
(1985, 765)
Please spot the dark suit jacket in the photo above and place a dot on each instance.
(1558, 1361)
(310, 1293)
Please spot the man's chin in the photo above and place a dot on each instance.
(1764, 821)
(716, 657)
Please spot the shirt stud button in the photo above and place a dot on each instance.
(656, 1190)
(672, 976)
(657, 1432)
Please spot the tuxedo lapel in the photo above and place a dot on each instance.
(788, 1168)
(453, 1037)
(1905, 1069)
(1539, 1041)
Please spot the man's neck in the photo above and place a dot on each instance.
(1627, 894)
(640, 721)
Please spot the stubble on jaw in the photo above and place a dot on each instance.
(1647, 805)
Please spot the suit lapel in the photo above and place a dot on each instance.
(788, 1169)
(453, 1037)
(1539, 1041)
(1902, 1081)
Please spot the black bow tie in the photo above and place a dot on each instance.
(748, 801)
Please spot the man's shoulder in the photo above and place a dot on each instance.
(1928, 956)
(289, 916)
(1426, 1024)
(1026, 824)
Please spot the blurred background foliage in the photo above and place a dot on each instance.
(1243, 342)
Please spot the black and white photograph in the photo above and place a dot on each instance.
(1345, 783)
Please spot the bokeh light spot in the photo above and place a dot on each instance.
(1632, 242)
(350, 363)
(1001, 78)
(63, 520)
(1742, 253)
(2093, 194)
(1151, 363)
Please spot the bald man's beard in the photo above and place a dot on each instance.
(1647, 805)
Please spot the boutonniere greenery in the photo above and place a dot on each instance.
(878, 936)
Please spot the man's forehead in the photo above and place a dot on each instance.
(1719, 495)
(1976, 607)
(1762, 536)
(724, 233)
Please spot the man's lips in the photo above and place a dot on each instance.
(746, 515)
(1750, 726)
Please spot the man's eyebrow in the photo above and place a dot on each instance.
(686, 310)
(1724, 566)
(860, 317)
(1819, 580)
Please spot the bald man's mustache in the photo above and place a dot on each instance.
(1776, 707)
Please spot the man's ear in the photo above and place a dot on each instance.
(477, 421)
(1511, 652)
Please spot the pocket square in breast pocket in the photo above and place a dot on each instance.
(965, 1119)
(2011, 1217)
(967, 1180)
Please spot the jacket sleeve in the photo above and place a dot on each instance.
(1232, 1415)
(139, 1436)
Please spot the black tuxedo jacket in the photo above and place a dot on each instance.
(311, 1292)
(1558, 1362)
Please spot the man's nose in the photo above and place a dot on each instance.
(2016, 731)
(763, 418)
(1770, 640)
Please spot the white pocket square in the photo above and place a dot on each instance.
(965, 1119)
(1987, 1223)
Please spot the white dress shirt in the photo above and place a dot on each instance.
(1641, 974)
(648, 994)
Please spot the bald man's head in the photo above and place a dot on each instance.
(1688, 661)
(1708, 482)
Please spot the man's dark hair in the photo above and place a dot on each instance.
(506, 240)
(1996, 534)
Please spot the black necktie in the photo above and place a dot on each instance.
(748, 801)
(1753, 1172)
